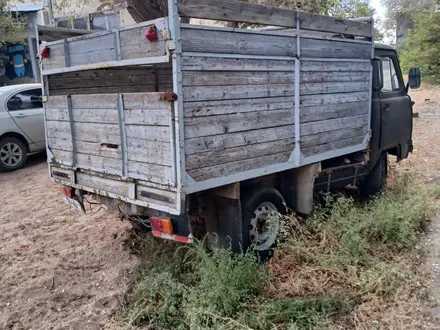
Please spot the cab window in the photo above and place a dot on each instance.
(391, 81)
(26, 100)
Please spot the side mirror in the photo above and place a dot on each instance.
(414, 78)
(377, 74)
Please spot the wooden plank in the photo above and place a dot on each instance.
(151, 172)
(319, 48)
(227, 10)
(230, 123)
(95, 42)
(93, 101)
(97, 56)
(145, 101)
(103, 133)
(228, 42)
(218, 171)
(84, 115)
(235, 64)
(89, 162)
(202, 93)
(335, 76)
(332, 111)
(238, 11)
(230, 155)
(147, 117)
(56, 58)
(89, 148)
(331, 136)
(340, 66)
(320, 23)
(314, 100)
(154, 152)
(135, 45)
(121, 72)
(333, 124)
(149, 133)
(117, 89)
(335, 145)
(231, 140)
(120, 188)
(237, 78)
(334, 87)
(148, 78)
(211, 108)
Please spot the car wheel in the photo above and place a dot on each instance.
(262, 216)
(13, 154)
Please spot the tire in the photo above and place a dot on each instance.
(261, 203)
(13, 154)
(376, 180)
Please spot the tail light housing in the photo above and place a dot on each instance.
(161, 225)
(151, 34)
(45, 53)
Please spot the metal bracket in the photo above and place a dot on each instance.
(123, 134)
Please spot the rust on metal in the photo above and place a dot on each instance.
(167, 96)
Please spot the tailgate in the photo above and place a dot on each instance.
(119, 144)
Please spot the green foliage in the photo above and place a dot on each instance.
(341, 257)
(12, 28)
(422, 46)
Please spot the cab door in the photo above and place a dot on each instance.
(395, 108)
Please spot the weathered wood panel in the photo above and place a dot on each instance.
(90, 148)
(90, 162)
(120, 188)
(217, 171)
(230, 123)
(118, 89)
(340, 66)
(332, 111)
(331, 136)
(228, 42)
(335, 76)
(84, 115)
(238, 153)
(331, 146)
(333, 124)
(89, 132)
(135, 45)
(202, 93)
(154, 152)
(235, 64)
(151, 172)
(334, 49)
(237, 11)
(231, 140)
(314, 100)
(149, 133)
(334, 87)
(213, 108)
(237, 78)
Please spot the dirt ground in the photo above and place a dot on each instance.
(59, 270)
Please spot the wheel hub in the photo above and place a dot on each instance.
(264, 226)
(11, 154)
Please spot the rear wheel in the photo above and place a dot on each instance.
(13, 154)
(262, 216)
(376, 180)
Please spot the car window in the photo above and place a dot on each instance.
(25, 100)
(391, 82)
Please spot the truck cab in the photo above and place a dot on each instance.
(392, 113)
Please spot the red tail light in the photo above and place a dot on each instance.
(161, 225)
(45, 53)
(66, 191)
(151, 34)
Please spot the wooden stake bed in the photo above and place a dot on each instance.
(245, 102)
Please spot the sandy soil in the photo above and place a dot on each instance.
(58, 270)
